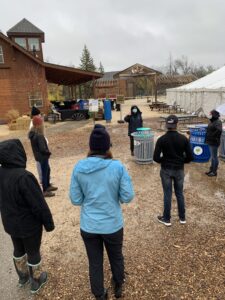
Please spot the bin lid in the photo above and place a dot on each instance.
(143, 129)
(197, 126)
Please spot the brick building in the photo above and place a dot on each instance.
(24, 74)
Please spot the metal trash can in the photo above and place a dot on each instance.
(222, 145)
(200, 149)
(143, 145)
(52, 118)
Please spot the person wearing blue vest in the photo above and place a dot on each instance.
(100, 184)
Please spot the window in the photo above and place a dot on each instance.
(21, 42)
(35, 99)
(33, 44)
(1, 55)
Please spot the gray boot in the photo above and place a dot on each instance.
(37, 278)
(20, 264)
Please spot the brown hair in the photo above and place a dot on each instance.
(106, 155)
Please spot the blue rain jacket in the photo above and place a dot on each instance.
(99, 186)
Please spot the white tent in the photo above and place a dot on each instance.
(207, 93)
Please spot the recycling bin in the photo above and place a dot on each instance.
(199, 148)
(143, 145)
(222, 145)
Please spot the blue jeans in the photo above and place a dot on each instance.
(214, 158)
(45, 172)
(170, 177)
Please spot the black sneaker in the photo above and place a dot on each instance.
(117, 288)
(52, 188)
(207, 173)
(163, 221)
(212, 174)
(183, 221)
(103, 297)
(48, 194)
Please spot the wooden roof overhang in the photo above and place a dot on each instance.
(62, 75)
(57, 74)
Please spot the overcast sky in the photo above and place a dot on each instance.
(120, 33)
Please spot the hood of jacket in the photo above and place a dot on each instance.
(12, 154)
(92, 164)
(138, 110)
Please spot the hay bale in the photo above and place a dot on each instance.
(21, 123)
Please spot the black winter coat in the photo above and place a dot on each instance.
(39, 146)
(22, 205)
(135, 120)
(214, 131)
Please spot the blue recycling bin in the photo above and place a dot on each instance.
(81, 104)
(107, 111)
(200, 149)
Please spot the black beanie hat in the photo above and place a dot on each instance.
(99, 140)
(215, 114)
(35, 111)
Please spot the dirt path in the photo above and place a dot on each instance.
(181, 262)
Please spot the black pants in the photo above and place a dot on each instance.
(131, 143)
(45, 170)
(30, 246)
(94, 244)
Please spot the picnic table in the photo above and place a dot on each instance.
(171, 108)
(158, 105)
(182, 119)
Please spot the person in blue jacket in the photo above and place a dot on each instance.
(99, 184)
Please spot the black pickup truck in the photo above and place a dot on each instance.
(71, 110)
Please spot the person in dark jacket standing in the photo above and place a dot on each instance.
(135, 121)
(172, 151)
(41, 154)
(24, 212)
(213, 134)
(100, 184)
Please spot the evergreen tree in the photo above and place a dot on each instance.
(87, 62)
(101, 68)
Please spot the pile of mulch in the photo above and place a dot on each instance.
(181, 262)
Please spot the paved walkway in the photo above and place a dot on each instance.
(8, 278)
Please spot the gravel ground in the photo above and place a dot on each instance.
(181, 262)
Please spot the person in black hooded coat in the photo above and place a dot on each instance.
(213, 135)
(135, 121)
(24, 212)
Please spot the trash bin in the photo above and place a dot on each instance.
(200, 149)
(107, 111)
(81, 104)
(222, 145)
(143, 145)
(52, 118)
